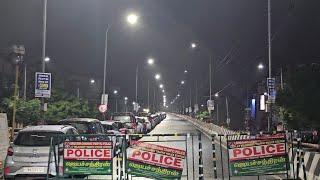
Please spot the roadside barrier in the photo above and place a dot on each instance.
(157, 156)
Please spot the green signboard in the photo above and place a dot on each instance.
(87, 158)
(257, 155)
(154, 161)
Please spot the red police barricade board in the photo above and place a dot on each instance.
(87, 158)
(257, 155)
(155, 161)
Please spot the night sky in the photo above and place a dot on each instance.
(233, 31)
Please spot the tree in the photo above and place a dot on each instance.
(301, 97)
(27, 111)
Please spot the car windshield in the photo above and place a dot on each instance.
(143, 114)
(82, 127)
(34, 138)
(123, 119)
(107, 127)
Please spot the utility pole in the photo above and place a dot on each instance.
(137, 71)
(25, 83)
(227, 108)
(148, 94)
(269, 59)
(105, 66)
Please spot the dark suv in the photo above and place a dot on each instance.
(128, 120)
(85, 125)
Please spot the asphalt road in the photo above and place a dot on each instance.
(190, 143)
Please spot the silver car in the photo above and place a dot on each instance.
(28, 155)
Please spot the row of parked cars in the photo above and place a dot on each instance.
(28, 154)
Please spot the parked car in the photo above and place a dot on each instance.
(111, 127)
(129, 121)
(28, 154)
(87, 126)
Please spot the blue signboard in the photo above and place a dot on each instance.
(43, 85)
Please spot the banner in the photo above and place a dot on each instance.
(258, 155)
(87, 158)
(154, 161)
(43, 85)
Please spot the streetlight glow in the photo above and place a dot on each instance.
(182, 82)
(132, 19)
(126, 98)
(216, 94)
(92, 81)
(193, 45)
(150, 61)
(178, 95)
(157, 76)
(46, 59)
(260, 66)
(163, 90)
(115, 92)
(161, 86)
(185, 71)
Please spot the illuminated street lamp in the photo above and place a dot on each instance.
(260, 66)
(115, 92)
(157, 76)
(161, 86)
(46, 59)
(216, 94)
(193, 45)
(132, 19)
(150, 61)
(182, 82)
(185, 71)
(92, 81)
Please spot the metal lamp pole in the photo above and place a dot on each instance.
(269, 59)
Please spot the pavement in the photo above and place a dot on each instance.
(173, 124)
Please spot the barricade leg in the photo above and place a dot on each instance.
(214, 158)
(200, 158)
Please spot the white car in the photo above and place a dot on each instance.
(29, 153)
(146, 122)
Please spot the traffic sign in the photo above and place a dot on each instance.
(103, 108)
(210, 105)
(271, 90)
(104, 99)
(43, 85)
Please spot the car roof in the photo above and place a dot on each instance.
(123, 114)
(79, 120)
(108, 122)
(60, 128)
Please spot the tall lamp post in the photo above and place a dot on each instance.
(131, 19)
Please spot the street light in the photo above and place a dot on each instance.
(185, 71)
(161, 86)
(46, 59)
(193, 45)
(92, 81)
(182, 82)
(150, 61)
(260, 66)
(157, 76)
(132, 19)
(216, 94)
(163, 90)
(126, 98)
(115, 92)
(178, 95)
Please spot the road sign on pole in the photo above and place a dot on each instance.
(104, 99)
(43, 85)
(103, 108)
(210, 105)
(271, 90)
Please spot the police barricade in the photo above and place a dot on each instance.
(82, 156)
(265, 155)
(161, 156)
(151, 156)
